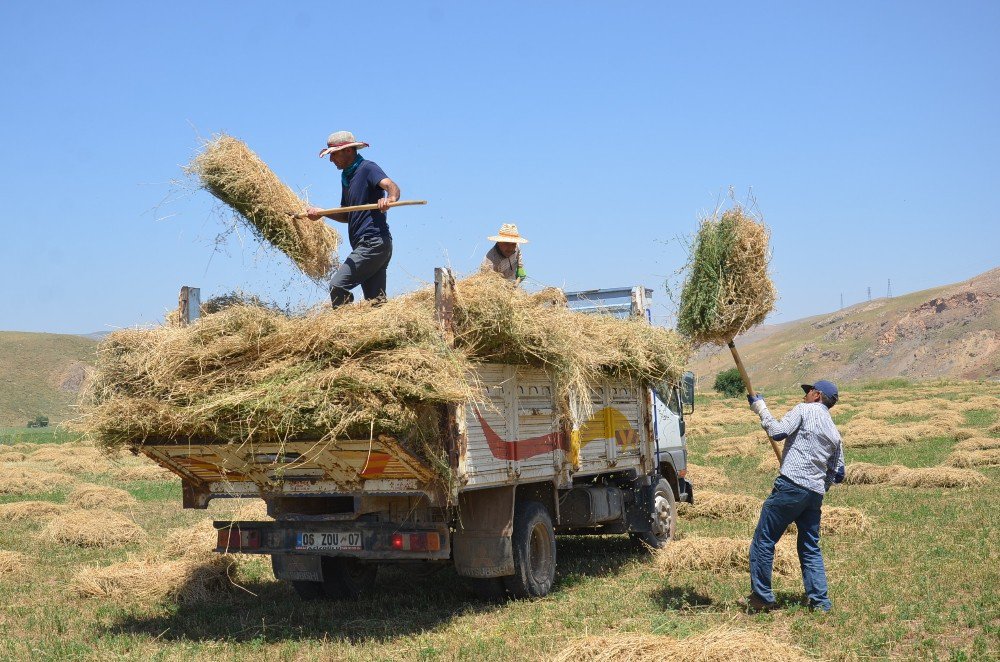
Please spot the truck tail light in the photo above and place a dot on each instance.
(416, 542)
(233, 539)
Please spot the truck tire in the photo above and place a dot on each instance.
(347, 578)
(489, 589)
(534, 546)
(663, 515)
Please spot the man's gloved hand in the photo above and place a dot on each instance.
(756, 402)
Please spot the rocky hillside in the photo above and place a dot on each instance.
(950, 331)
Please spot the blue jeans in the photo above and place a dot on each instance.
(789, 503)
(365, 266)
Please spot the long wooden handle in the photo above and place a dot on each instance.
(342, 210)
(746, 382)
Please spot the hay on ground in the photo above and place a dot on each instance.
(702, 476)
(978, 444)
(727, 289)
(865, 473)
(234, 174)
(769, 463)
(988, 457)
(129, 473)
(938, 477)
(721, 555)
(72, 458)
(18, 480)
(187, 580)
(736, 446)
(38, 511)
(715, 505)
(842, 519)
(95, 496)
(12, 563)
(196, 539)
(994, 429)
(93, 528)
(719, 645)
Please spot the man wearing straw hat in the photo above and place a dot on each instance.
(813, 459)
(362, 183)
(505, 256)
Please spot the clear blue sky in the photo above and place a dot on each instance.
(868, 132)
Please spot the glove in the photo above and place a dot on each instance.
(756, 403)
(754, 398)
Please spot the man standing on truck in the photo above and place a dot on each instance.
(812, 460)
(362, 182)
(505, 256)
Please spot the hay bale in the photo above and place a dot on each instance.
(93, 528)
(720, 555)
(95, 496)
(704, 476)
(727, 289)
(18, 480)
(234, 174)
(865, 473)
(718, 645)
(12, 563)
(939, 477)
(187, 580)
(715, 505)
(38, 511)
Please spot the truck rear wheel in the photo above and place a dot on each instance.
(534, 547)
(343, 579)
(663, 516)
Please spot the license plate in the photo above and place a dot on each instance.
(350, 540)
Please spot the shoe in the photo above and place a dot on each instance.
(754, 605)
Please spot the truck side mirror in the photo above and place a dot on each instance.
(687, 392)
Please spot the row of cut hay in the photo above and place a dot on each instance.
(863, 473)
(727, 289)
(143, 472)
(186, 580)
(865, 432)
(96, 496)
(23, 480)
(978, 444)
(985, 457)
(352, 370)
(736, 446)
(716, 505)
(769, 463)
(12, 563)
(994, 429)
(986, 402)
(196, 539)
(234, 174)
(839, 520)
(702, 476)
(718, 645)
(93, 528)
(723, 416)
(720, 555)
(36, 511)
(73, 458)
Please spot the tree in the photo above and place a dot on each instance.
(730, 383)
(39, 422)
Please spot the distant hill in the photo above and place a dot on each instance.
(41, 373)
(949, 331)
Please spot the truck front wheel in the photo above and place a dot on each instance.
(534, 547)
(663, 517)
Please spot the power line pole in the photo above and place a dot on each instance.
(888, 290)
(869, 292)
(841, 300)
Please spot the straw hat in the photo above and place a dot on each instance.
(339, 140)
(508, 234)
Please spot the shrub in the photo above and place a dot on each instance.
(730, 383)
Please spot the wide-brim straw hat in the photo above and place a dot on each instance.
(508, 234)
(341, 140)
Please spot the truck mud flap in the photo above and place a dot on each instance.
(481, 546)
(297, 567)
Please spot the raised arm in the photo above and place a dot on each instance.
(776, 429)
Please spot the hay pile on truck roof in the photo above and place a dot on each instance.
(249, 373)
(234, 174)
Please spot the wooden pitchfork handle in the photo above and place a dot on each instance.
(342, 210)
(746, 382)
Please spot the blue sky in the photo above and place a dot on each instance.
(867, 132)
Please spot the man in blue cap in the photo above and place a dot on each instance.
(812, 460)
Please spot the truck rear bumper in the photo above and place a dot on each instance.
(369, 541)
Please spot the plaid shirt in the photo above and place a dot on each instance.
(814, 453)
(505, 266)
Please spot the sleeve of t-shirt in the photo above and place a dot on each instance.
(375, 174)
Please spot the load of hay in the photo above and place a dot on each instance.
(234, 174)
(727, 289)
(250, 373)
(720, 645)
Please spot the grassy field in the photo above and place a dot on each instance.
(923, 582)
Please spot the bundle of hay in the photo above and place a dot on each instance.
(144, 472)
(727, 290)
(865, 473)
(196, 539)
(843, 519)
(38, 511)
(72, 458)
(230, 171)
(715, 505)
(17, 480)
(944, 477)
(983, 457)
(705, 476)
(721, 555)
(187, 580)
(93, 528)
(720, 645)
(733, 446)
(12, 563)
(253, 373)
(96, 496)
(978, 444)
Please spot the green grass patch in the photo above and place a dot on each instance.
(154, 490)
(883, 384)
(981, 418)
(47, 435)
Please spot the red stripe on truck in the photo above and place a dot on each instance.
(521, 449)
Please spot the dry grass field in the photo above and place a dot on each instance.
(89, 573)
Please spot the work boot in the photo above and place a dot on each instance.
(754, 605)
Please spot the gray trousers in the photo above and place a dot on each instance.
(365, 266)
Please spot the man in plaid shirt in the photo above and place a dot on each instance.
(812, 460)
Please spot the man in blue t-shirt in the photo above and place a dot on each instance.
(362, 183)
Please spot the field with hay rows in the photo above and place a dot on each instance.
(98, 560)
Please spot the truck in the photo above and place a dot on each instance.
(520, 476)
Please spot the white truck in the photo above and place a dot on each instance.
(519, 476)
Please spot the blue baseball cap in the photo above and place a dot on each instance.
(829, 389)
